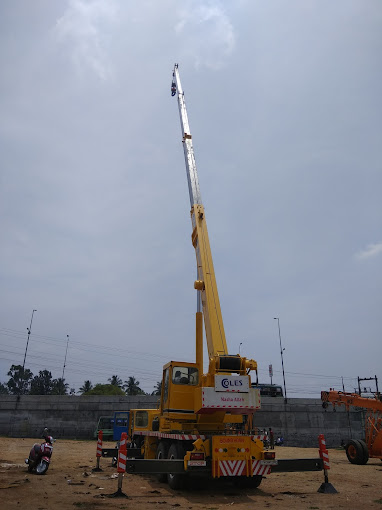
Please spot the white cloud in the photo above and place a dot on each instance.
(207, 33)
(371, 250)
(82, 28)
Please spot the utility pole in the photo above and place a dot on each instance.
(348, 410)
(29, 332)
(63, 368)
(282, 359)
(367, 379)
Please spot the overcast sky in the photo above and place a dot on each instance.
(285, 109)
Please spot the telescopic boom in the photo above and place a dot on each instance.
(206, 283)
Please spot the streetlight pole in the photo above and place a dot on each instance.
(282, 359)
(63, 368)
(240, 344)
(29, 332)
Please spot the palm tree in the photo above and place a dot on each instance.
(115, 380)
(59, 386)
(157, 388)
(132, 387)
(87, 386)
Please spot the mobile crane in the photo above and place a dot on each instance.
(204, 423)
(195, 408)
(357, 450)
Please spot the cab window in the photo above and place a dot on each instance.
(165, 389)
(141, 419)
(105, 423)
(185, 375)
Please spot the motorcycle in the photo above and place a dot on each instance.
(39, 456)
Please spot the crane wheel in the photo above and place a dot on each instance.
(250, 482)
(176, 480)
(355, 452)
(162, 453)
(365, 451)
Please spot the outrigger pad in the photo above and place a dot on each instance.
(327, 488)
(118, 494)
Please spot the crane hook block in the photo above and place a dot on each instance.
(199, 285)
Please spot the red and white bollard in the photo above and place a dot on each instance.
(326, 487)
(123, 440)
(99, 450)
(121, 465)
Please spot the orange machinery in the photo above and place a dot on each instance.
(357, 450)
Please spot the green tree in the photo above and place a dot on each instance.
(87, 386)
(105, 389)
(59, 387)
(19, 382)
(42, 384)
(131, 387)
(115, 380)
(3, 389)
(157, 388)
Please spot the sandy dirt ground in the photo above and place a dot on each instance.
(71, 484)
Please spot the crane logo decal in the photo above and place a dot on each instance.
(235, 383)
(226, 383)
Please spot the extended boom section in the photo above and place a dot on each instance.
(192, 175)
(206, 281)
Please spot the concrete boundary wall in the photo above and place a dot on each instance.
(64, 416)
(299, 421)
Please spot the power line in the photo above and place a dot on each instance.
(127, 362)
(96, 365)
(85, 345)
(110, 351)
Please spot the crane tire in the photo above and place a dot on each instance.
(162, 452)
(365, 451)
(354, 452)
(176, 480)
(250, 482)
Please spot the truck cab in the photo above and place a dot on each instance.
(178, 392)
(142, 426)
(105, 423)
(120, 424)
